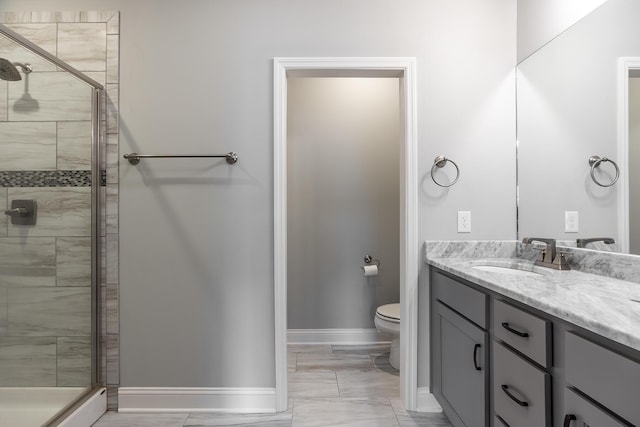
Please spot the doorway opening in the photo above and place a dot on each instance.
(403, 71)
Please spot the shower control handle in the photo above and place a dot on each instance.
(17, 212)
(22, 212)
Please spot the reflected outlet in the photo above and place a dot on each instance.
(571, 222)
(464, 221)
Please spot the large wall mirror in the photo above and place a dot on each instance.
(578, 97)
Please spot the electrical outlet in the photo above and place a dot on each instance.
(464, 222)
(571, 222)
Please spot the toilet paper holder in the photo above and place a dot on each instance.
(369, 260)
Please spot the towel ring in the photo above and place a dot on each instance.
(440, 162)
(594, 162)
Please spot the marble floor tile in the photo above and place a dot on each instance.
(382, 364)
(309, 348)
(313, 384)
(367, 397)
(114, 419)
(292, 362)
(368, 384)
(373, 350)
(343, 412)
(263, 420)
(334, 362)
(418, 419)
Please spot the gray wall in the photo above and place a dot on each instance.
(539, 21)
(634, 165)
(343, 199)
(196, 255)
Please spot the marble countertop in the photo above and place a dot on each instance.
(606, 306)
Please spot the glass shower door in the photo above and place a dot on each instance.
(48, 236)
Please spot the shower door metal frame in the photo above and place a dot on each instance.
(97, 100)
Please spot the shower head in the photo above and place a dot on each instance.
(9, 71)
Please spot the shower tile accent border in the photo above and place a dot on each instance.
(109, 339)
(58, 178)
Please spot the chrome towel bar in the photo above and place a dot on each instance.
(134, 158)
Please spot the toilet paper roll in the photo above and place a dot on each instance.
(370, 270)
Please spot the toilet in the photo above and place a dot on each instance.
(387, 320)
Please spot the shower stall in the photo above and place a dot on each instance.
(51, 187)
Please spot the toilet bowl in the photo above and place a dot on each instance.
(387, 320)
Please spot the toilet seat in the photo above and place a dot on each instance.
(389, 312)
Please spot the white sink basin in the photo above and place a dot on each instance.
(506, 270)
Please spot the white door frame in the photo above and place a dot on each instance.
(405, 69)
(625, 65)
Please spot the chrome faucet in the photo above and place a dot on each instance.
(549, 256)
(582, 243)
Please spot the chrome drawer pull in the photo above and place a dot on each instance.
(504, 423)
(513, 331)
(567, 420)
(505, 388)
(475, 357)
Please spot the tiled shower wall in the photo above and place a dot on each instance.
(45, 270)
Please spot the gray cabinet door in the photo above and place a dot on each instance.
(461, 368)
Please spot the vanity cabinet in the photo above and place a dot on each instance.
(603, 376)
(460, 352)
(497, 362)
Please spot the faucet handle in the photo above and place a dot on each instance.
(560, 261)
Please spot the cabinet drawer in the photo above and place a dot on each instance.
(525, 332)
(521, 390)
(467, 301)
(579, 412)
(607, 377)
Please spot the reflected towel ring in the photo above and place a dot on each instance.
(440, 162)
(594, 162)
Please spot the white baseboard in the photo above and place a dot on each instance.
(89, 412)
(336, 336)
(179, 399)
(427, 401)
